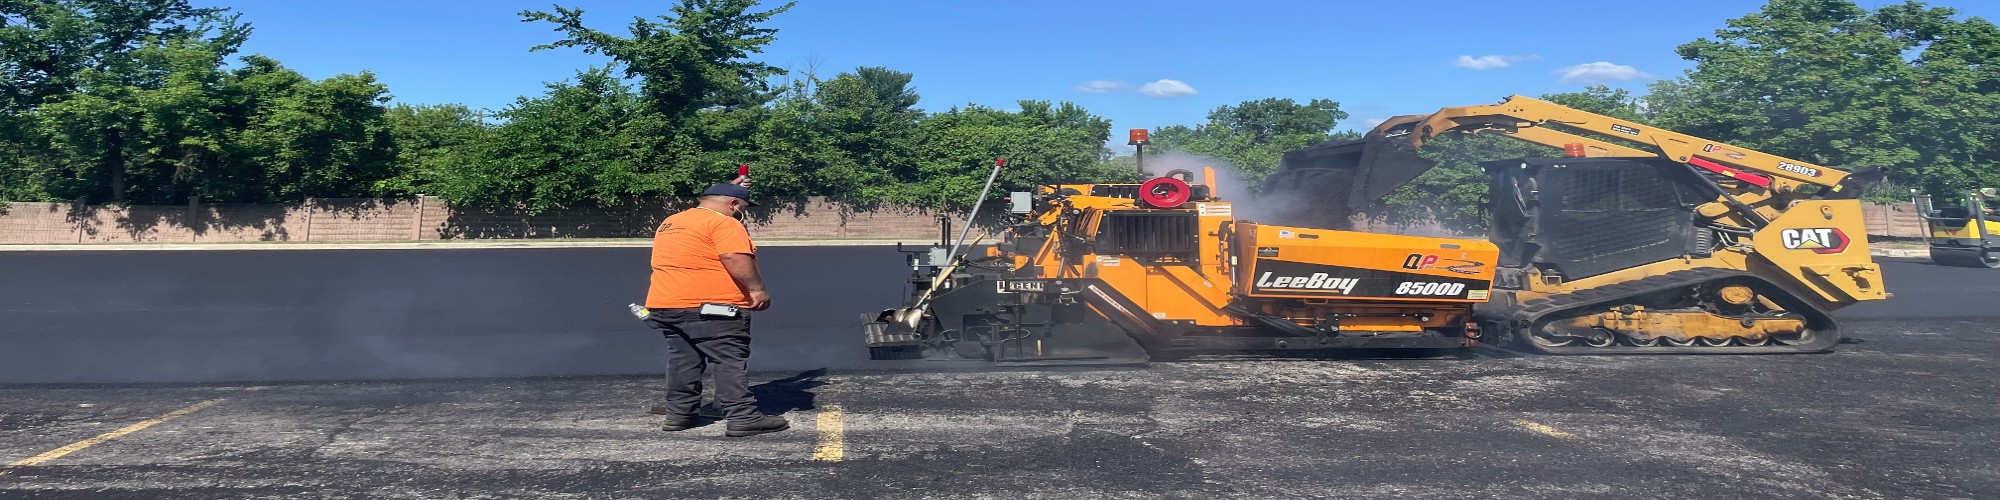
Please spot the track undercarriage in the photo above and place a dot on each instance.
(1701, 311)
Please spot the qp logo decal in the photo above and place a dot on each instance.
(1821, 240)
(1427, 261)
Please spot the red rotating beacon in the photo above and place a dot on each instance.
(1165, 192)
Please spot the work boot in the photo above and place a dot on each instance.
(680, 423)
(762, 425)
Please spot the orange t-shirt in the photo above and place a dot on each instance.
(687, 260)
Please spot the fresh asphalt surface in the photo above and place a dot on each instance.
(90, 316)
(1908, 408)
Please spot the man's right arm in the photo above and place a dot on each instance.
(743, 267)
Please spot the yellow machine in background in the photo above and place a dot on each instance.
(1636, 240)
(1967, 235)
(1121, 273)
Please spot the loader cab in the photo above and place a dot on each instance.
(1573, 218)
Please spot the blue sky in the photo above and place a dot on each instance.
(1139, 63)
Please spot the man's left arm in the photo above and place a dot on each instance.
(739, 256)
(743, 267)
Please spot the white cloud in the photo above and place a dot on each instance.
(1167, 88)
(1600, 72)
(1372, 122)
(1491, 61)
(1103, 87)
(1482, 62)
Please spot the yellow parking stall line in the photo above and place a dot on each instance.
(102, 438)
(1544, 429)
(832, 436)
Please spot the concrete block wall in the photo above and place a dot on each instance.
(560, 223)
(22, 222)
(246, 222)
(361, 219)
(431, 219)
(138, 224)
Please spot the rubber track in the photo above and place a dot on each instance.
(1533, 311)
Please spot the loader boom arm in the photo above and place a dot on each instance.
(1554, 125)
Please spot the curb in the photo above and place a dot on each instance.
(1899, 252)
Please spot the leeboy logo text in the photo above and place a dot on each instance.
(1318, 281)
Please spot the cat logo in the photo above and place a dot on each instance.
(1824, 240)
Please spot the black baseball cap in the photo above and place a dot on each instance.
(730, 190)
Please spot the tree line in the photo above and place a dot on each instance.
(148, 102)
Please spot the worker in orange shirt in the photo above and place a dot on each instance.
(704, 281)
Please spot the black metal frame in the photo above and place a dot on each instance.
(1533, 232)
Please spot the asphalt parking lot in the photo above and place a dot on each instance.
(1908, 408)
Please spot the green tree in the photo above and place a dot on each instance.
(1824, 81)
(694, 60)
(21, 159)
(302, 138)
(429, 139)
(1905, 86)
(570, 147)
(128, 101)
(788, 145)
(105, 100)
(853, 136)
(48, 46)
(691, 63)
(1043, 144)
(1955, 106)
(1600, 99)
(1251, 137)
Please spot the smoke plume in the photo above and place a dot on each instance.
(1315, 206)
(1233, 185)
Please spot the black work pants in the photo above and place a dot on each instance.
(717, 347)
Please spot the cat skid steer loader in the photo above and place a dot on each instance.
(1635, 240)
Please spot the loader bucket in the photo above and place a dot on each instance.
(1324, 185)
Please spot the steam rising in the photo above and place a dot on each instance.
(1233, 184)
(1299, 206)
